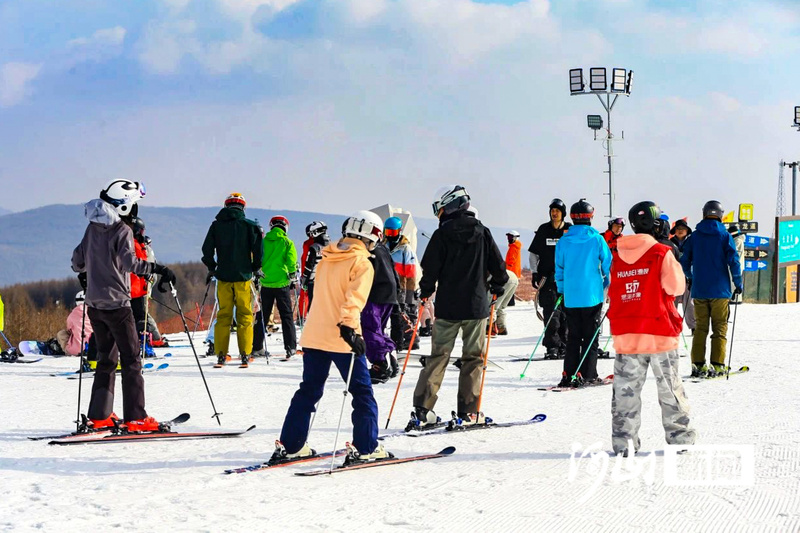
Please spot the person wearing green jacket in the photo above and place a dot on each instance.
(232, 253)
(279, 265)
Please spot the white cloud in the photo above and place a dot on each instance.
(105, 37)
(725, 102)
(14, 82)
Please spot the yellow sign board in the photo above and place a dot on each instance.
(745, 211)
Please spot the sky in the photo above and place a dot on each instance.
(340, 105)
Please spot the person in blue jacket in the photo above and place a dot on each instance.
(583, 261)
(710, 262)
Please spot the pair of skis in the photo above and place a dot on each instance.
(608, 380)
(146, 368)
(722, 375)
(455, 425)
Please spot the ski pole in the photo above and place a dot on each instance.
(146, 311)
(263, 317)
(685, 345)
(405, 363)
(486, 356)
(344, 400)
(202, 308)
(6, 339)
(558, 302)
(80, 370)
(589, 347)
(191, 343)
(172, 309)
(730, 354)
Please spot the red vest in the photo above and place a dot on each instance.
(138, 284)
(638, 304)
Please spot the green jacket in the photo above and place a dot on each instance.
(279, 259)
(236, 242)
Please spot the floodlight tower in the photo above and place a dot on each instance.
(620, 84)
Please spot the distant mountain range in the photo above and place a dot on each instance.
(37, 244)
(4, 211)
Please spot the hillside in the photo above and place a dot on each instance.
(37, 244)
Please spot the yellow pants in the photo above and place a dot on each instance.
(230, 295)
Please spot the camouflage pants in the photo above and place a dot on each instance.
(630, 372)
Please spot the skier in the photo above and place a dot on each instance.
(140, 287)
(302, 304)
(332, 334)
(542, 258)
(583, 261)
(503, 301)
(459, 255)
(614, 232)
(645, 279)
(680, 232)
(405, 263)
(375, 316)
(710, 262)
(279, 264)
(317, 232)
(514, 253)
(738, 241)
(236, 243)
(77, 322)
(104, 258)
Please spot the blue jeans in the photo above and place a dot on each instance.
(316, 366)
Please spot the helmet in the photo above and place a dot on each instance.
(363, 225)
(392, 227)
(557, 203)
(316, 228)
(235, 199)
(643, 217)
(617, 220)
(123, 195)
(451, 198)
(581, 212)
(513, 233)
(137, 225)
(280, 222)
(713, 209)
(80, 297)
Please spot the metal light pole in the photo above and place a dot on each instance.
(620, 84)
(794, 184)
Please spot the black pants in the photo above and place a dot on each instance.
(583, 323)
(400, 331)
(555, 337)
(116, 326)
(281, 297)
(139, 312)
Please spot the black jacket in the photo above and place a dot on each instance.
(233, 246)
(314, 256)
(385, 283)
(460, 257)
(544, 247)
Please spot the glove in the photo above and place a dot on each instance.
(353, 339)
(167, 277)
(82, 280)
(535, 279)
(211, 275)
(425, 296)
(737, 291)
(689, 284)
(304, 283)
(497, 290)
(417, 294)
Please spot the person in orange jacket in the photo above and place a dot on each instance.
(514, 254)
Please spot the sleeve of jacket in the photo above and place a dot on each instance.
(495, 262)
(256, 248)
(559, 275)
(431, 264)
(735, 266)
(312, 258)
(672, 279)
(79, 256)
(358, 287)
(209, 246)
(291, 258)
(686, 257)
(605, 261)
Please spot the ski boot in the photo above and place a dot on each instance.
(88, 425)
(457, 363)
(422, 360)
(471, 419)
(551, 353)
(565, 381)
(562, 352)
(601, 354)
(501, 330)
(145, 425)
(280, 455)
(422, 419)
(245, 361)
(394, 367)
(699, 371)
(379, 372)
(210, 350)
(578, 381)
(9, 356)
(720, 369)
(291, 352)
(221, 360)
(263, 352)
(353, 457)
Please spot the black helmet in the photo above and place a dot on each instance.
(645, 217)
(713, 209)
(137, 225)
(734, 230)
(581, 212)
(557, 203)
(617, 220)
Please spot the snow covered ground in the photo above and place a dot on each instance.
(542, 477)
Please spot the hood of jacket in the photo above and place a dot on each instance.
(101, 212)
(345, 249)
(710, 226)
(580, 233)
(462, 227)
(230, 213)
(631, 248)
(275, 234)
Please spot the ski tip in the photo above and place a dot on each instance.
(450, 450)
(167, 355)
(541, 417)
(147, 365)
(162, 366)
(250, 428)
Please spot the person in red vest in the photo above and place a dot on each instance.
(645, 326)
(614, 232)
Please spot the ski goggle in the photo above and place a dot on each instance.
(617, 220)
(392, 232)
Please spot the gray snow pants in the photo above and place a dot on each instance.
(630, 372)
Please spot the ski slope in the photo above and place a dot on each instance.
(536, 478)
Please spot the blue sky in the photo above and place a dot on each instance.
(337, 105)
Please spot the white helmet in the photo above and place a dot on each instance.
(363, 225)
(80, 297)
(316, 228)
(513, 233)
(123, 195)
(451, 198)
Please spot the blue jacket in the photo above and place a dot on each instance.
(582, 264)
(710, 260)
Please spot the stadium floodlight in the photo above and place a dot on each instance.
(797, 116)
(576, 84)
(597, 79)
(595, 122)
(629, 83)
(618, 80)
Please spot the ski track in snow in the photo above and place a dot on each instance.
(513, 479)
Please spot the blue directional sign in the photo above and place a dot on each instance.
(752, 266)
(754, 241)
